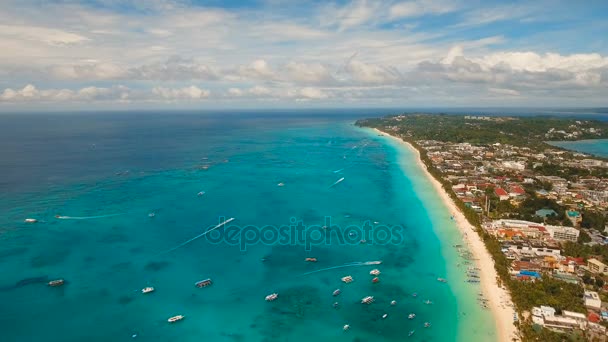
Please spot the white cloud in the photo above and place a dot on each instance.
(503, 91)
(289, 53)
(371, 74)
(408, 9)
(312, 93)
(308, 73)
(30, 94)
(41, 34)
(187, 93)
(353, 14)
(531, 61)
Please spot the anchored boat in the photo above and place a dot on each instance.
(175, 318)
(147, 289)
(347, 279)
(367, 300)
(56, 283)
(203, 283)
(272, 297)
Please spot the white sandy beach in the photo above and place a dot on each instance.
(499, 299)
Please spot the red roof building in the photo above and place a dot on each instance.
(501, 193)
(593, 317)
(517, 190)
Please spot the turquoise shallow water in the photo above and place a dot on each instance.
(79, 168)
(597, 147)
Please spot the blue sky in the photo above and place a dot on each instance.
(275, 53)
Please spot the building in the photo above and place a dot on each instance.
(596, 267)
(516, 191)
(545, 316)
(514, 165)
(561, 233)
(502, 194)
(592, 300)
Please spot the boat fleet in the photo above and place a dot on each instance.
(369, 300)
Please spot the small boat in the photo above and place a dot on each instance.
(384, 316)
(411, 332)
(151, 214)
(363, 242)
(347, 279)
(428, 302)
(442, 280)
(203, 283)
(393, 302)
(414, 294)
(367, 300)
(30, 220)
(147, 289)
(411, 316)
(346, 327)
(375, 272)
(175, 318)
(335, 305)
(272, 297)
(311, 259)
(427, 324)
(336, 292)
(56, 282)
(281, 184)
(376, 280)
(200, 193)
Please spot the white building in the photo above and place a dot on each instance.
(545, 316)
(592, 300)
(514, 165)
(563, 233)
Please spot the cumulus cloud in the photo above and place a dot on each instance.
(187, 93)
(30, 93)
(312, 93)
(370, 73)
(308, 73)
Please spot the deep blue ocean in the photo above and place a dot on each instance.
(104, 173)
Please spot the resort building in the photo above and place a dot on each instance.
(596, 267)
(592, 300)
(545, 316)
(561, 233)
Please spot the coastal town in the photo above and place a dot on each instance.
(540, 210)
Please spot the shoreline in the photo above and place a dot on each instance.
(497, 296)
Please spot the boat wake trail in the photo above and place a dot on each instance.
(84, 217)
(337, 182)
(196, 237)
(350, 264)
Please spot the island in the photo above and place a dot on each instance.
(538, 210)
